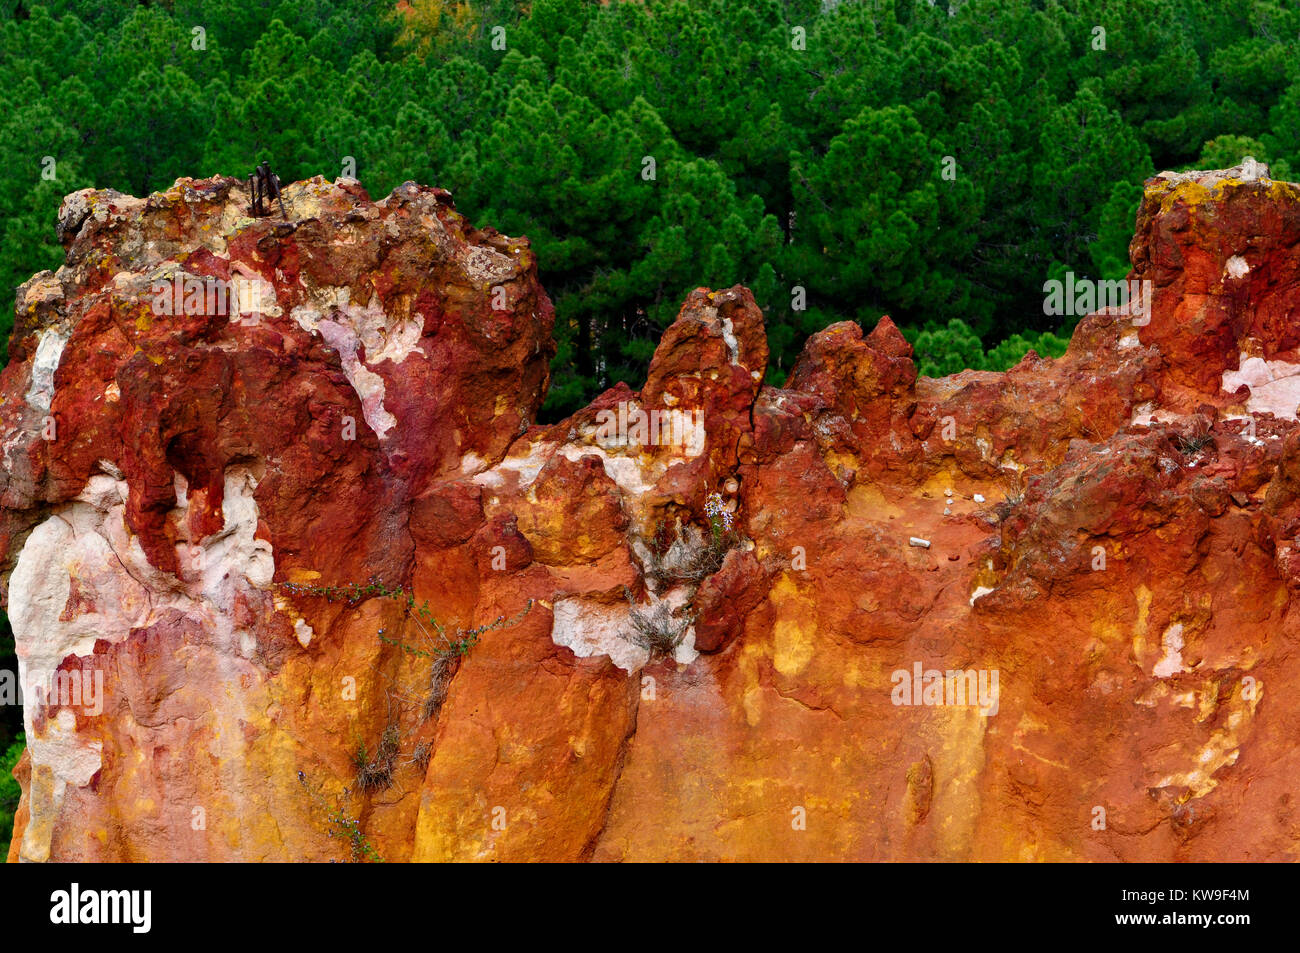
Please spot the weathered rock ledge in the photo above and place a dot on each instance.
(1112, 536)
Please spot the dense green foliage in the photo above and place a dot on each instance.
(9, 792)
(797, 146)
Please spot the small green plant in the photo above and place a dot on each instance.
(1195, 440)
(688, 554)
(351, 593)
(342, 825)
(720, 519)
(442, 646)
(375, 770)
(10, 792)
(445, 652)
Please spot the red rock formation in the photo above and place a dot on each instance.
(1111, 536)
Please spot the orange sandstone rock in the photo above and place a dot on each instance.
(1088, 662)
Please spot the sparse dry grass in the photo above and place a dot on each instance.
(1196, 439)
(375, 772)
(656, 628)
(690, 556)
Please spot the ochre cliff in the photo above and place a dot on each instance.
(1112, 536)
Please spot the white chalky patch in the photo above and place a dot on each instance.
(49, 349)
(1142, 414)
(527, 467)
(591, 628)
(368, 385)
(1236, 267)
(633, 477)
(729, 338)
(677, 598)
(1172, 663)
(254, 298)
(87, 539)
(1274, 386)
(979, 591)
(235, 545)
(620, 431)
(72, 761)
(627, 472)
(302, 631)
(1222, 750)
(349, 328)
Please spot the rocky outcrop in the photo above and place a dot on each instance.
(1039, 615)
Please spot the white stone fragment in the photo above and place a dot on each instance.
(49, 349)
(1274, 386)
(1172, 663)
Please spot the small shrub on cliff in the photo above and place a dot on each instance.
(421, 755)
(1196, 439)
(445, 652)
(342, 825)
(688, 554)
(656, 628)
(375, 772)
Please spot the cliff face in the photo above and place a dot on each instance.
(718, 620)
